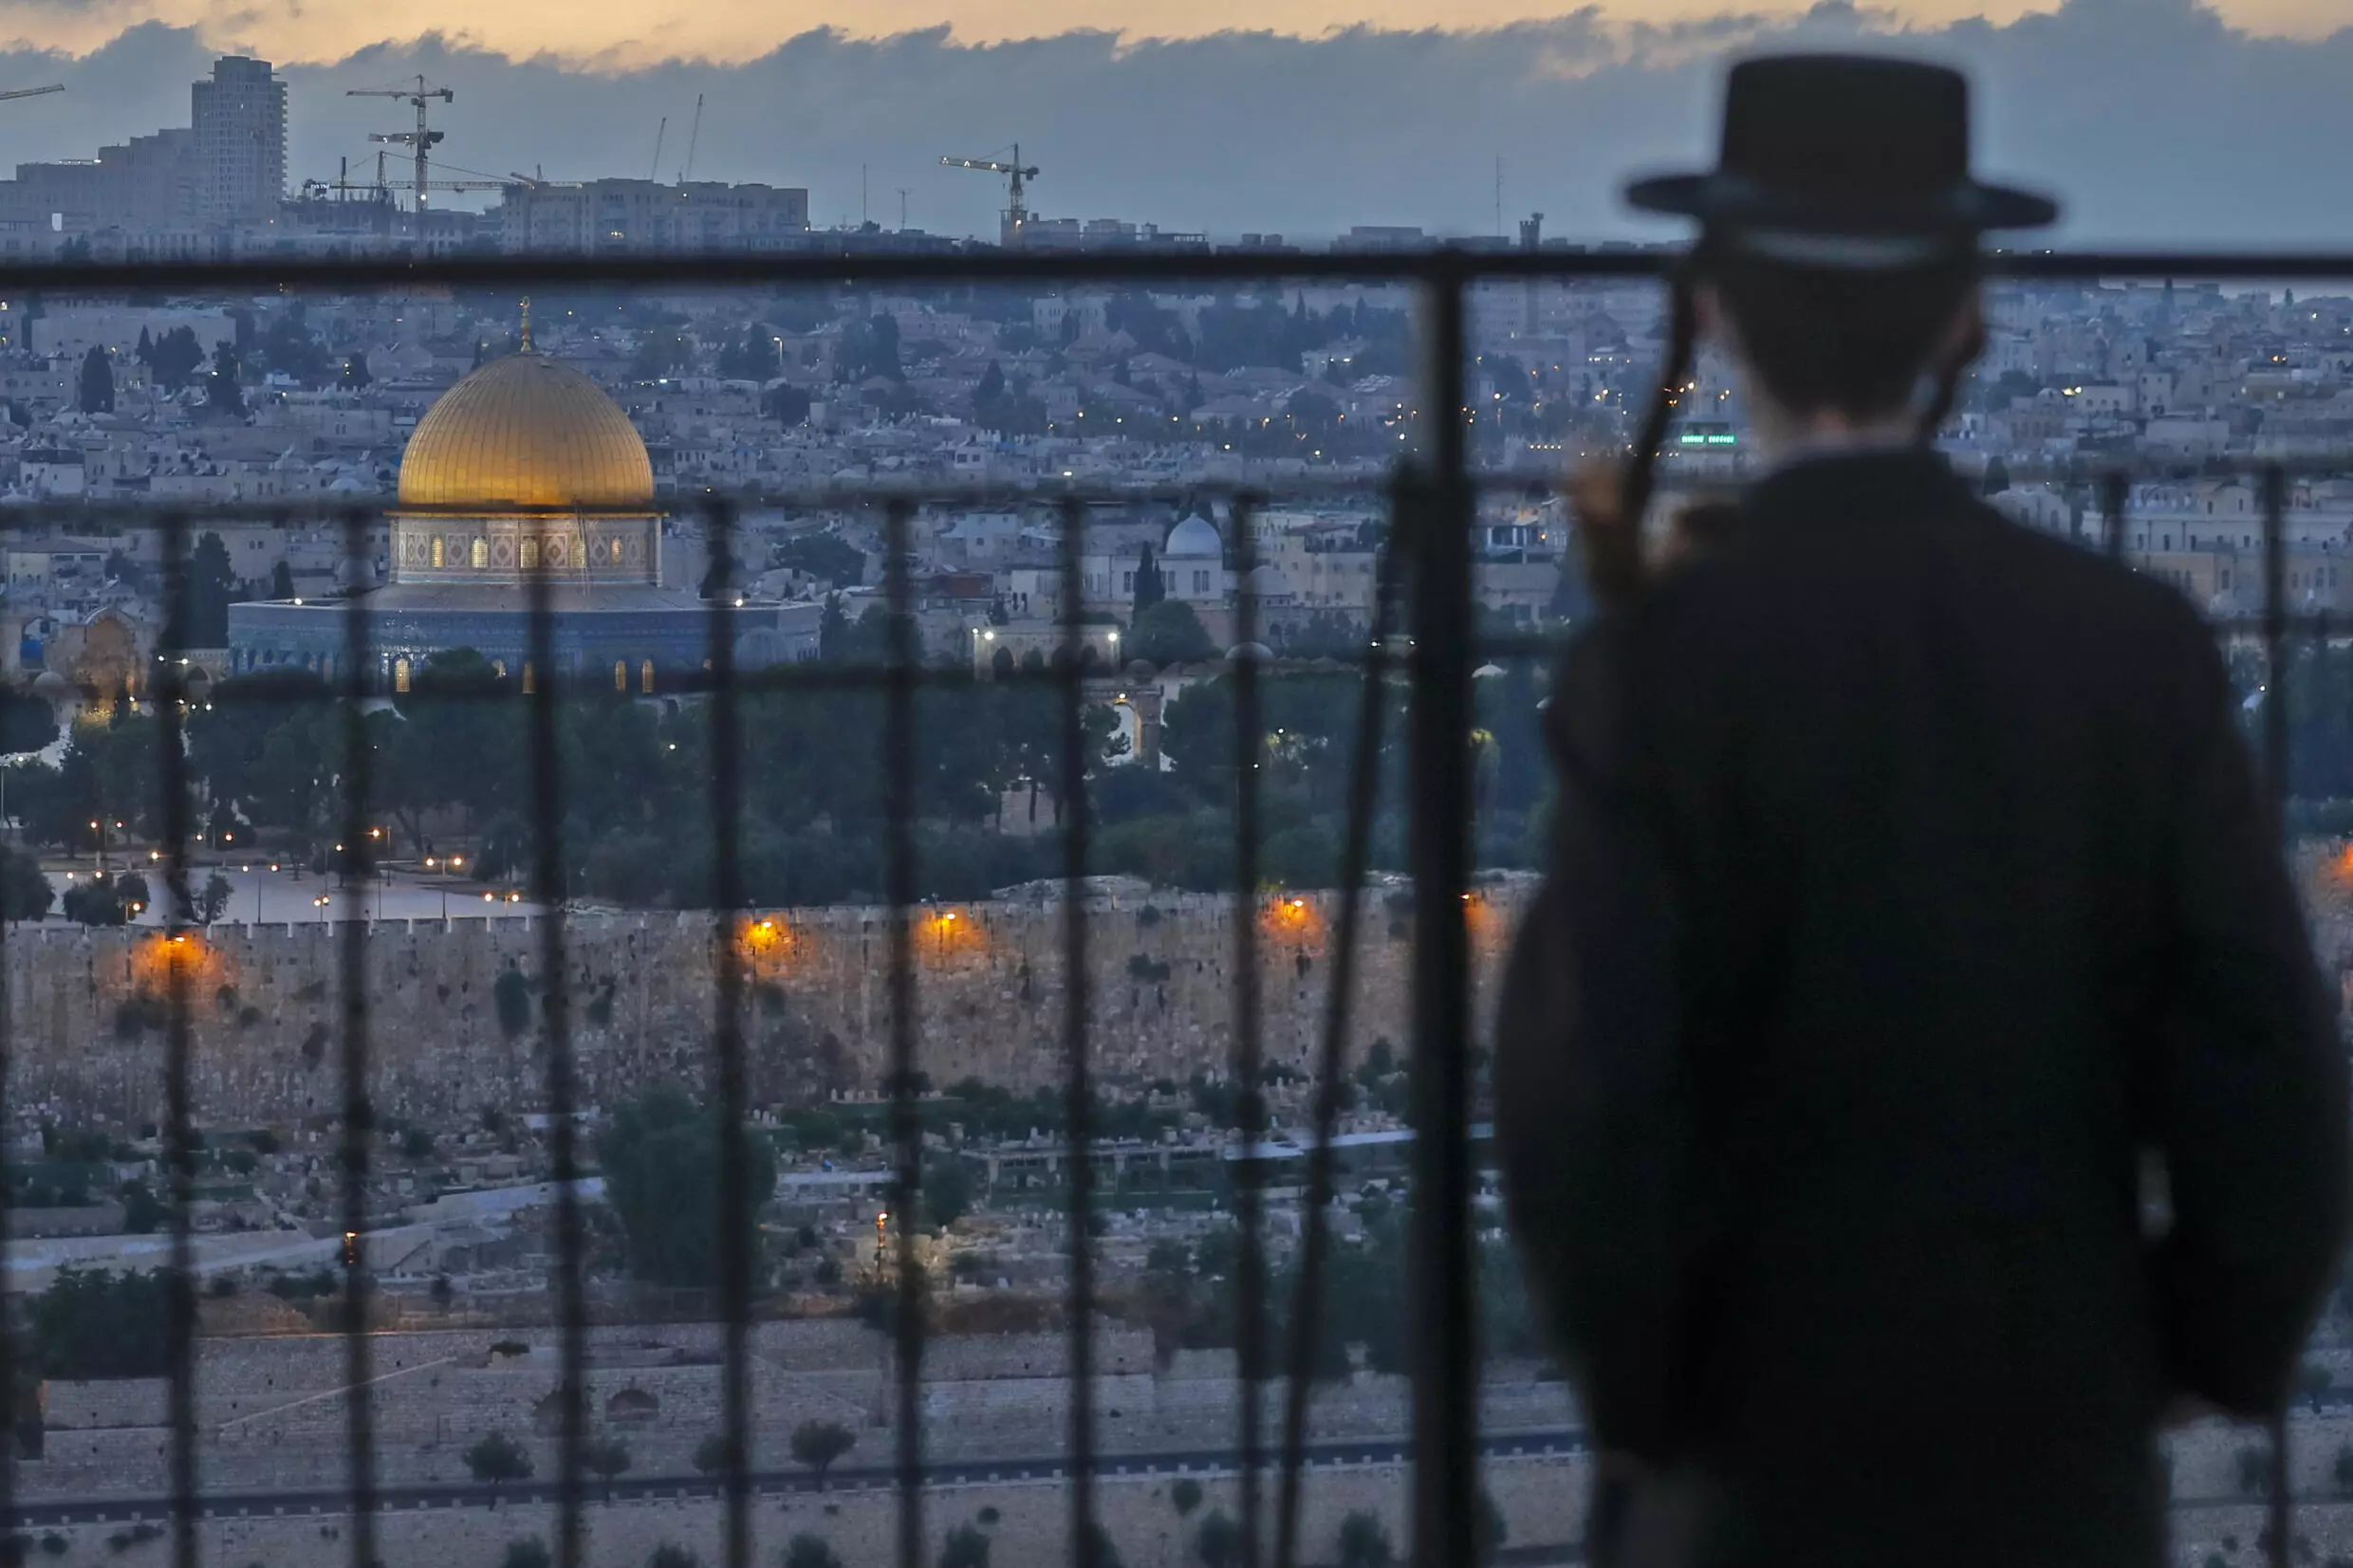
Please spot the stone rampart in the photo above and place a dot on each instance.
(266, 1004)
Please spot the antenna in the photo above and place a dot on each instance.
(902, 206)
(862, 196)
(1499, 195)
(660, 131)
(693, 142)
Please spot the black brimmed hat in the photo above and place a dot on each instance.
(1845, 161)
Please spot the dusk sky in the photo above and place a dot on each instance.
(2162, 121)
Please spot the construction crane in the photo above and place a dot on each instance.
(31, 92)
(693, 142)
(1017, 206)
(379, 190)
(422, 139)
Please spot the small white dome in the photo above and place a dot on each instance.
(1267, 581)
(1257, 653)
(1194, 537)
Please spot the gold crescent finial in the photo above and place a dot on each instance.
(527, 324)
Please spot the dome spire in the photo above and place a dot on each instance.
(527, 324)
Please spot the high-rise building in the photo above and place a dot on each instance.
(239, 119)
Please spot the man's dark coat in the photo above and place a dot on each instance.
(1913, 898)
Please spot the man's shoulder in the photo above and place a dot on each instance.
(1755, 577)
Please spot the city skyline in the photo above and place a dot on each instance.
(2158, 120)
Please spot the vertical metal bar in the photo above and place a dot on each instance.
(2115, 497)
(1079, 1105)
(359, 1115)
(1248, 1066)
(1354, 857)
(2276, 634)
(547, 887)
(2275, 781)
(906, 1125)
(737, 1202)
(179, 1132)
(13, 1364)
(1438, 850)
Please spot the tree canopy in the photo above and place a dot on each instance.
(94, 1323)
(818, 1444)
(661, 1172)
(95, 391)
(1167, 632)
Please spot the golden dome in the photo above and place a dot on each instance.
(524, 431)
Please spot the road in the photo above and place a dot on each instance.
(32, 1263)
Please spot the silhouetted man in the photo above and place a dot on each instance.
(1913, 906)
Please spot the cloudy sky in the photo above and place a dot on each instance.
(2162, 121)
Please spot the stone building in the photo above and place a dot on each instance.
(525, 470)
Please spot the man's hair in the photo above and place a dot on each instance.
(1856, 343)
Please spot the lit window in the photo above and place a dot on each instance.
(400, 671)
(481, 554)
(645, 678)
(529, 684)
(620, 674)
(437, 550)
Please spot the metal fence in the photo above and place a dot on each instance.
(1426, 638)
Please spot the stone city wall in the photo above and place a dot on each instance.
(87, 1038)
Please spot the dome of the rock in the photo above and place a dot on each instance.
(527, 431)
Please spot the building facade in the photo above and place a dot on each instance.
(238, 120)
(645, 217)
(524, 476)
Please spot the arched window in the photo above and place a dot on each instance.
(531, 554)
(529, 684)
(400, 671)
(616, 551)
(437, 549)
(481, 554)
(645, 678)
(620, 674)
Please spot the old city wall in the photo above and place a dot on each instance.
(266, 1002)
